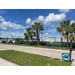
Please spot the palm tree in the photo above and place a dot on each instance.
(6, 40)
(37, 27)
(72, 31)
(31, 33)
(18, 39)
(26, 36)
(64, 29)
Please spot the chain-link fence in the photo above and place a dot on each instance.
(44, 43)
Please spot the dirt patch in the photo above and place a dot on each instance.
(56, 59)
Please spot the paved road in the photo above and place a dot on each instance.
(55, 53)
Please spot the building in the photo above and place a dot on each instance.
(7, 40)
(54, 39)
(41, 39)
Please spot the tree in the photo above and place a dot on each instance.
(37, 27)
(26, 36)
(31, 33)
(72, 31)
(64, 29)
(13, 38)
(1, 38)
(18, 39)
(7, 39)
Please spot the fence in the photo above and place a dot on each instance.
(3, 41)
(44, 43)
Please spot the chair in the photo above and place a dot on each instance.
(65, 55)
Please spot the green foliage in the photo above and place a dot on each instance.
(18, 39)
(37, 27)
(6, 38)
(67, 31)
(1, 38)
(72, 37)
(30, 32)
(64, 29)
(26, 36)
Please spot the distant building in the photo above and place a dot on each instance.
(7, 40)
(41, 39)
(54, 39)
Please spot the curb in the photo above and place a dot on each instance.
(73, 63)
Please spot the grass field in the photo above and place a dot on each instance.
(28, 59)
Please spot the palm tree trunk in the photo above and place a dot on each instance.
(71, 44)
(37, 37)
(67, 42)
(32, 40)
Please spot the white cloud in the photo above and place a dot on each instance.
(41, 18)
(64, 10)
(12, 35)
(27, 26)
(52, 25)
(28, 21)
(50, 31)
(72, 21)
(58, 35)
(1, 19)
(2, 28)
(46, 33)
(2, 11)
(49, 35)
(4, 25)
(51, 19)
(33, 21)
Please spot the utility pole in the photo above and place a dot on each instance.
(70, 52)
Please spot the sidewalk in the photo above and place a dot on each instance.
(4, 62)
(73, 63)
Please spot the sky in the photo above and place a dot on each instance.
(13, 22)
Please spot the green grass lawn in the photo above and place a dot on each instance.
(50, 47)
(28, 59)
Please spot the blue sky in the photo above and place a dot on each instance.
(13, 22)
